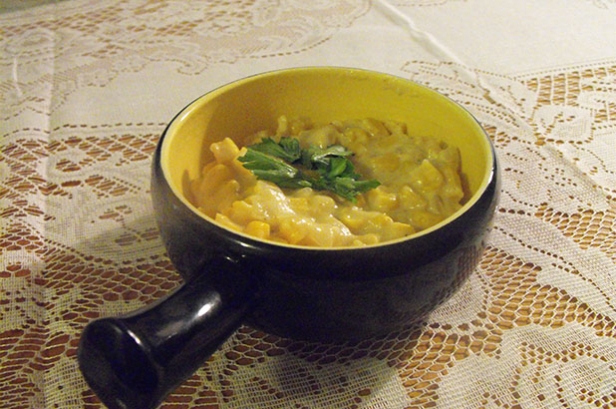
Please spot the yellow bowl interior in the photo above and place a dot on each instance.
(321, 94)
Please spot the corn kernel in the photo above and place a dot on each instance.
(321, 137)
(397, 230)
(227, 222)
(368, 239)
(374, 127)
(410, 199)
(321, 205)
(299, 204)
(215, 177)
(380, 200)
(352, 218)
(292, 231)
(422, 219)
(320, 235)
(394, 127)
(426, 177)
(386, 163)
(376, 223)
(284, 128)
(242, 212)
(224, 151)
(258, 229)
(226, 194)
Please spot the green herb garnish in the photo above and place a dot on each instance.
(286, 164)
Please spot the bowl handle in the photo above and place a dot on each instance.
(136, 360)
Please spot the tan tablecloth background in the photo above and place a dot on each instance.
(86, 88)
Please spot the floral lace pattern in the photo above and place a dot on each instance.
(533, 327)
(89, 44)
(555, 274)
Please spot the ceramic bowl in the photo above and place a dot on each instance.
(230, 279)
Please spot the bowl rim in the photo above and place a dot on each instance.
(167, 135)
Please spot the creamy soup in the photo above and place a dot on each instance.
(420, 185)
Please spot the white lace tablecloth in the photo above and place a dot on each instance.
(86, 87)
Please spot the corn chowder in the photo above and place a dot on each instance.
(419, 185)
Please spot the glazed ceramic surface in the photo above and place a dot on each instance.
(332, 294)
(326, 294)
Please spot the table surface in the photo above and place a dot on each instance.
(86, 87)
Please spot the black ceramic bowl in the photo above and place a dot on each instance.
(332, 294)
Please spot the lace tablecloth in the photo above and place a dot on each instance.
(87, 86)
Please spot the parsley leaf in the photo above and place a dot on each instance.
(287, 165)
(315, 155)
(287, 149)
(268, 167)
